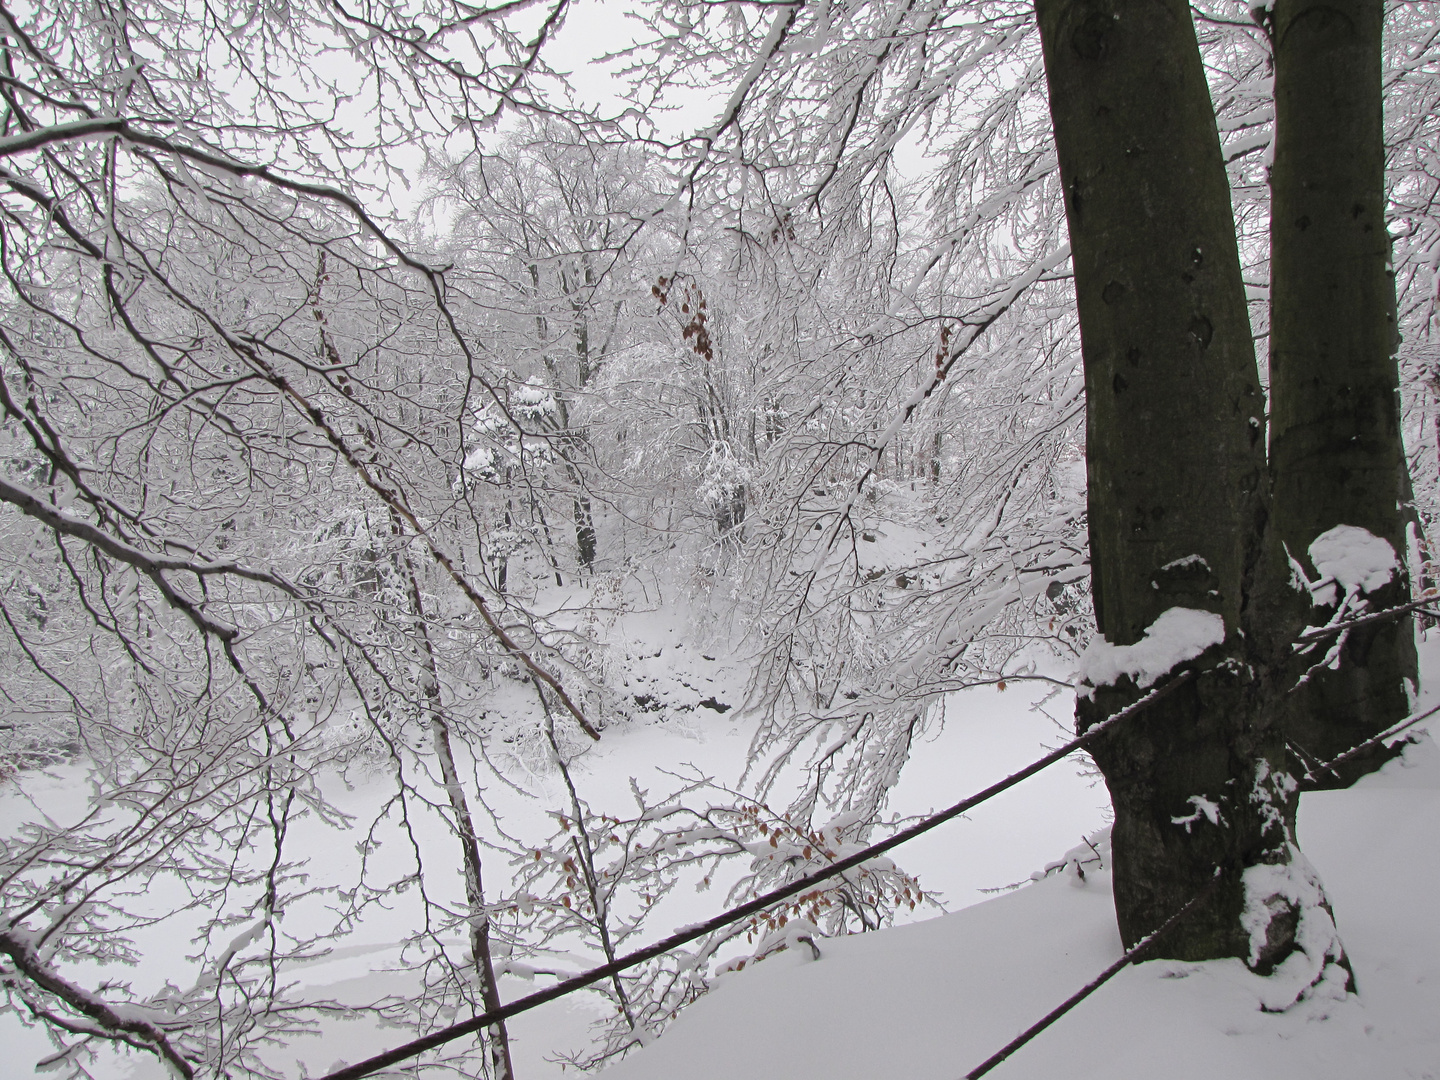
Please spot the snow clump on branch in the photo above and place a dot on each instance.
(1178, 635)
(1354, 558)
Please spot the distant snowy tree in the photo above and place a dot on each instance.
(293, 483)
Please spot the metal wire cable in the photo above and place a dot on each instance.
(1144, 945)
(691, 933)
(688, 934)
(1136, 952)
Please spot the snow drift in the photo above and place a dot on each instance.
(934, 999)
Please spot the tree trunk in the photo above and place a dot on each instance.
(1336, 453)
(497, 1038)
(1176, 465)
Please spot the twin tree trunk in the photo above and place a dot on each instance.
(1336, 454)
(1185, 510)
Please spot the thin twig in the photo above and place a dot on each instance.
(759, 903)
(1363, 620)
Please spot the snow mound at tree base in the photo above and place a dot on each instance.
(934, 999)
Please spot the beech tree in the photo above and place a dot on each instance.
(1336, 455)
(1185, 513)
(284, 479)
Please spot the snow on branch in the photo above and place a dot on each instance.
(125, 1022)
(1178, 635)
(1352, 558)
(1350, 563)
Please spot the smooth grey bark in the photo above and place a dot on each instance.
(1336, 453)
(497, 1038)
(571, 440)
(1176, 465)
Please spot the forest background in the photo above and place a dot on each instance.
(372, 390)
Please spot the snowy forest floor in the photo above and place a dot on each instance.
(935, 997)
(985, 734)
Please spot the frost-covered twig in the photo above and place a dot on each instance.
(125, 1022)
(754, 906)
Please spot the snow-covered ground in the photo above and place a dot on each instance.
(934, 998)
(985, 733)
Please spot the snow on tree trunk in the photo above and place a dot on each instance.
(1336, 456)
(1176, 458)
